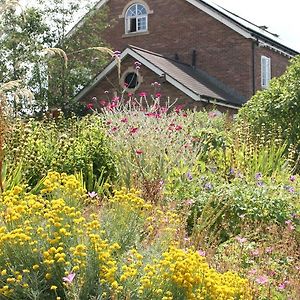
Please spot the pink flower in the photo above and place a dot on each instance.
(283, 285)
(69, 278)
(130, 94)
(290, 225)
(157, 95)
(139, 152)
(252, 272)
(201, 252)
(212, 114)
(89, 105)
(269, 250)
(262, 279)
(92, 194)
(133, 130)
(241, 240)
(178, 127)
(143, 94)
(124, 120)
(114, 129)
(102, 102)
(109, 122)
(255, 253)
(115, 99)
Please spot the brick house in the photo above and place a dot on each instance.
(193, 50)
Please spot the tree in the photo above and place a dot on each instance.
(24, 35)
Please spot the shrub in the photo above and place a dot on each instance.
(63, 145)
(276, 111)
(49, 249)
(221, 210)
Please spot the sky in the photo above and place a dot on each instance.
(281, 17)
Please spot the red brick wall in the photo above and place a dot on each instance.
(278, 64)
(178, 27)
(111, 84)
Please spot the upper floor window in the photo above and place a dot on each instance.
(136, 19)
(265, 71)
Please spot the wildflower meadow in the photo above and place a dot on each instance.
(144, 200)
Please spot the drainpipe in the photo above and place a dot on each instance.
(254, 45)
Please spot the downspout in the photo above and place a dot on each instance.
(254, 44)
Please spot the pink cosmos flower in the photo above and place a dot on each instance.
(69, 278)
(262, 279)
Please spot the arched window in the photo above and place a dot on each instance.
(136, 18)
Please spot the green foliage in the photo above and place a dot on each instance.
(222, 209)
(24, 35)
(64, 145)
(276, 111)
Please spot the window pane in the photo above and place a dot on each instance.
(142, 23)
(131, 11)
(132, 25)
(141, 10)
(131, 80)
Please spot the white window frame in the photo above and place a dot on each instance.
(266, 74)
(137, 18)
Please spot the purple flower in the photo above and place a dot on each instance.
(262, 279)
(291, 189)
(258, 176)
(290, 225)
(255, 253)
(208, 186)
(92, 194)
(292, 178)
(69, 278)
(269, 250)
(189, 176)
(259, 183)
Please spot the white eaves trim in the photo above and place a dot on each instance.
(129, 52)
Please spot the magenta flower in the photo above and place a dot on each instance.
(69, 278)
(157, 95)
(89, 105)
(178, 127)
(124, 120)
(102, 102)
(143, 94)
(139, 152)
(283, 285)
(133, 130)
(262, 279)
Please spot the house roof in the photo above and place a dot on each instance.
(194, 83)
(235, 22)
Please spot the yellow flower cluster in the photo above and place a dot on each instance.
(63, 183)
(44, 236)
(190, 273)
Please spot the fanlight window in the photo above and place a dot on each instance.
(136, 19)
